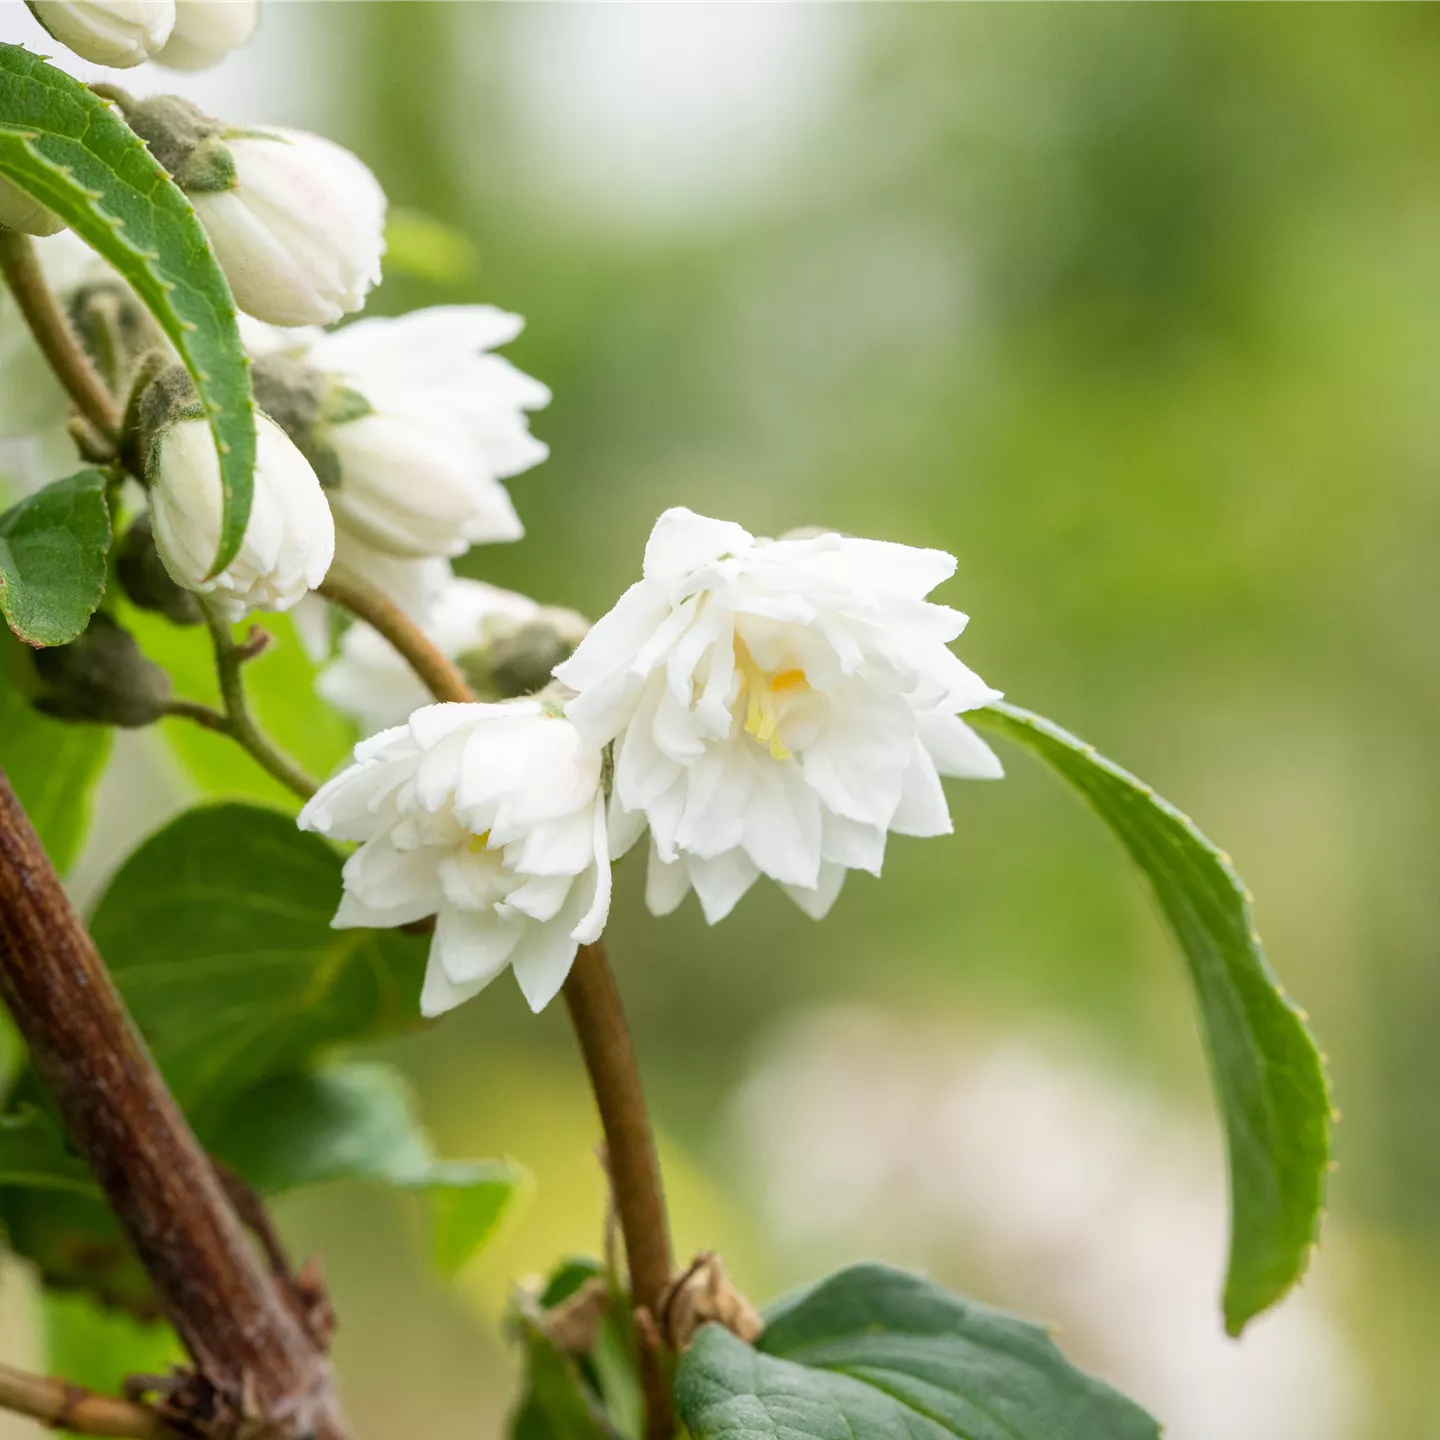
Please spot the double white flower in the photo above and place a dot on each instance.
(438, 423)
(492, 819)
(777, 708)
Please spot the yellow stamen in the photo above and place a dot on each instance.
(761, 716)
(479, 842)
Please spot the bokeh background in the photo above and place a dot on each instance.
(1137, 312)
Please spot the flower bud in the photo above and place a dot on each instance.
(119, 33)
(208, 30)
(146, 581)
(19, 212)
(289, 540)
(298, 225)
(101, 678)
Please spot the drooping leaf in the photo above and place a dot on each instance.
(53, 546)
(876, 1353)
(53, 768)
(217, 931)
(63, 145)
(357, 1122)
(1268, 1077)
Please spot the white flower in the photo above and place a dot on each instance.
(119, 33)
(206, 31)
(443, 423)
(492, 819)
(375, 686)
(289, 540)
(779, 707)
(19, 212)
(300, 229)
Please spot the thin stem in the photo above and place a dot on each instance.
(594, 1004)
(52, 332)
(205, 715)
(63, 1406)
(440, 675)
(237, 720)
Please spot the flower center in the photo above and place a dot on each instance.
(762, 714)
(477, 843)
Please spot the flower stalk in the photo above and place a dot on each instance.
(59, 1405)
(54, 336)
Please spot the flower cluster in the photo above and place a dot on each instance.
(757, 707)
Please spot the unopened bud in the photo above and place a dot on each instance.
(102, 678)
(207, 30)
(144, 578)
(118, 33)
(517, 656)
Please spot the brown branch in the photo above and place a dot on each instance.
(440, 675)
(595, 1009)
(252, 1355)
(52, 332)
(63, 1406)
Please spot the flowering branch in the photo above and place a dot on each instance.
(62, 1406)
(253, 1356)
(236, 720)
(52, 332)
(441, 676)
(599, 1020)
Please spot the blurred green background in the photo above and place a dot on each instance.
(1137, 312)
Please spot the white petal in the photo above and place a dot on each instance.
(957, 750)
(666, 885)
(683, 541)
(922, 810)
(721, 881)
(816, 901)
(474, 946)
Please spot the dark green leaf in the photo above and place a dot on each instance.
(62, 144)
(875, 1354)
(52, 766)
(35, 1155)
(1268, 1076)
(52, 559)
(357, 1122)
(217, 931)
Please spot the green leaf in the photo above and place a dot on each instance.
(358, 1122)
(62, 144)
(52, 766)
(876, 1354)
(53, 546)
(35, 1155)
(100, 1348)
(217, 931)
(420, 245)
(1269, 1080)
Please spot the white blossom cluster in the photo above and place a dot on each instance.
(756, 707)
